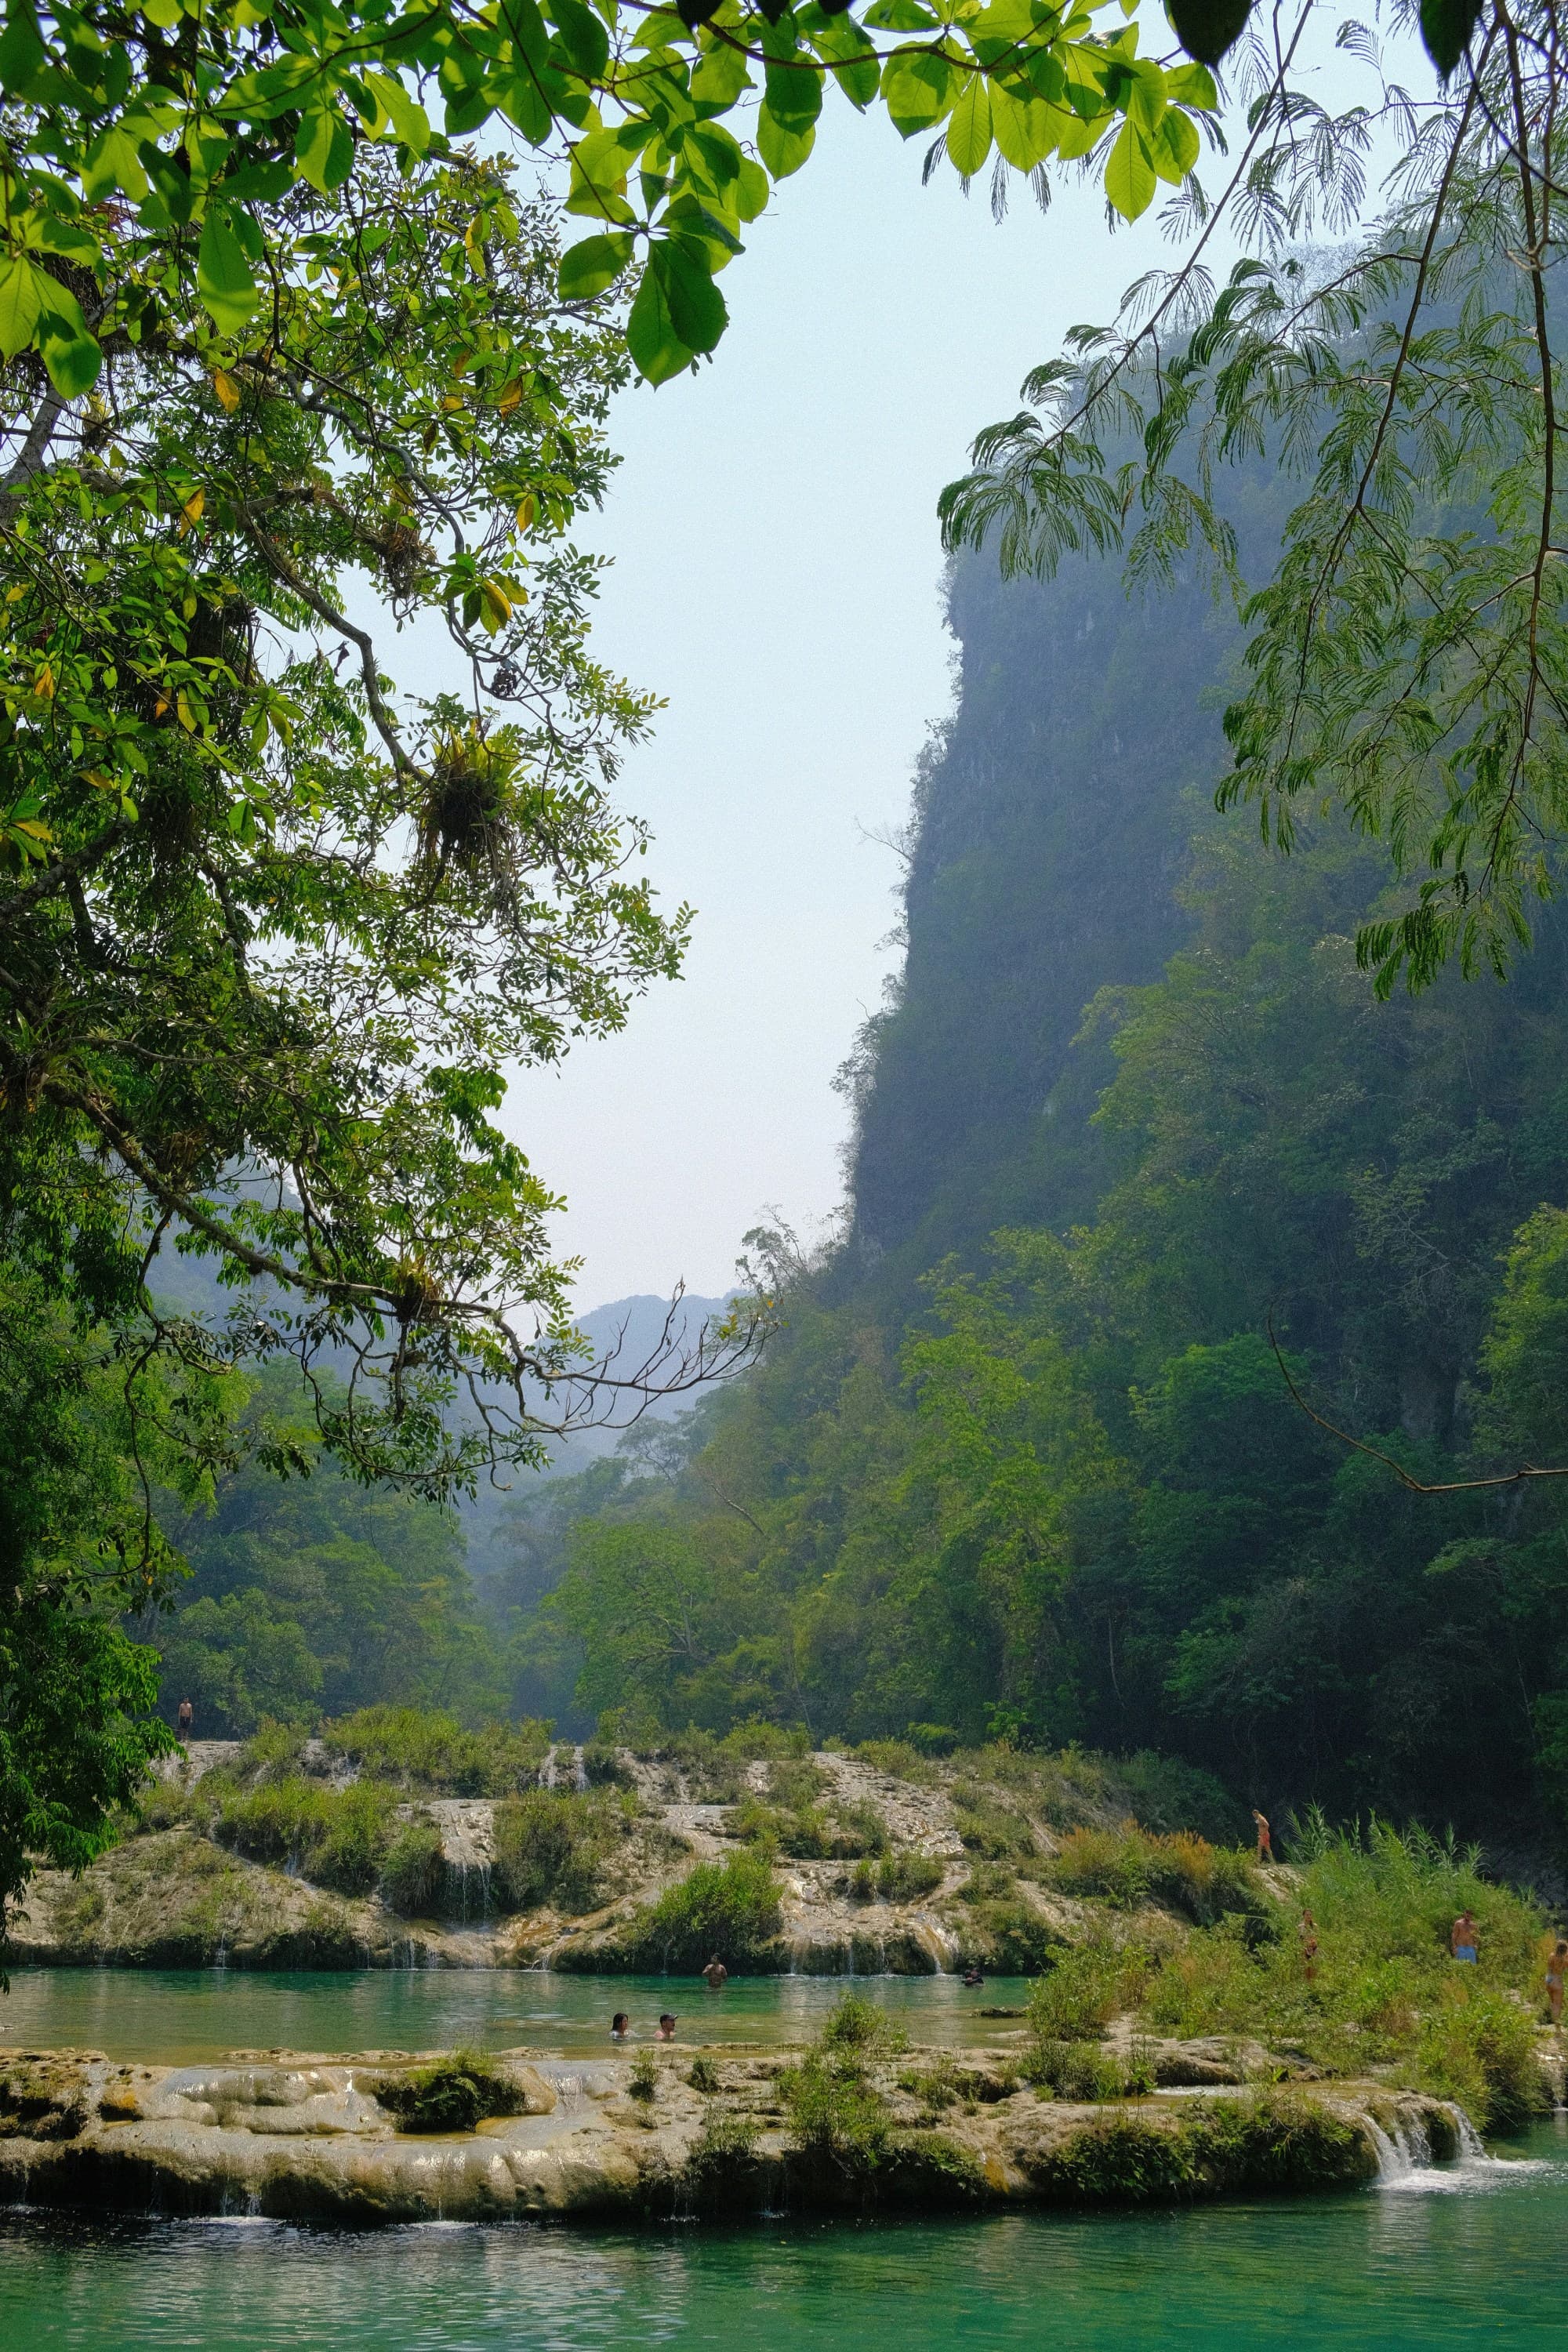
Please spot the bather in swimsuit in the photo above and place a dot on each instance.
(1463, 1951)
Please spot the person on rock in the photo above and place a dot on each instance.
(666, 2027)
(1308, 1931)
(1462, 1939)
(186, 1718)
(620, 2026)
(1556, 1963)
(717, 1974)
(1265, 1842)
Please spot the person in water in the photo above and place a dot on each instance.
(1308, 1931)
(620, 2026)
(717, 1974)
(1462, 1937)
(1556, 1962)
(974, 1976)
(1265, 1842)
(666, 2027)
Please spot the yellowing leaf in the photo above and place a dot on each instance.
(528, 512)
(511, 397)
(227, 389)
(495, 606)
(451, 403)
(43, 683)
(191, 511)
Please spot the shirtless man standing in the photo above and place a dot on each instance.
(1462, 1937)
(187, 1717)
(717, 1974)
(1265, 1842)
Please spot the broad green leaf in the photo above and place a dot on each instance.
(857, 68)
(918, 87)
(1145, 96)
(599, 166)
(752, 190)
(969, 128)
(720, 77)
(1173, 149)
(793, 92)
(71, 355)
(657, 350)
(407, 116)
(1076, 133)
(900, 16)
(113, 163)
(223, 280)
(1130, 180)
(1446, 29)
(1191, 85)
(587, 268)
(22, 53)
(782, 146)
(1206, 28)
(697, 311)
(22, 284)
(583, 36)
(324, 149)
(1023, 128)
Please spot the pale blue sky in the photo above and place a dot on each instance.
(777, 577)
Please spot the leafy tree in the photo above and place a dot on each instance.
(1407, 649)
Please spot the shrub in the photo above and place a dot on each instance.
(989, 1828)
(988, 1882)
(335, 1837)
(1122, 2161)
(451, 2094)
(719, 2174)
(1011, 1936)
(432, 1751)
(272, 1750)
(413, 1874)
(1081, 1992)
(550, 1847)
(905, 1878)
(1271, 2143)
(838, 2119)
(643, 2083)
(1481, 2052)
(931, 1738)
(1129, 1866)
(703, 2077)
(1075, 2070)
(899, 1759)
(855, 2024)
(730, 1907)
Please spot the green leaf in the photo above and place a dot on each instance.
(697, 309)
(1022, 127)
(900, 16)
(71, 357)
(407, 116)
(1192, 86)
(1446, 29)
(587, 268)
(22, 284)
(112, 162)
(1129, 181)
(720, 77)
(583, 36)
(918, 87)
(782, 146)
(324, 149)
(657, 350)
(224, 281)
(22, 53)
(1173, 149)
(857, 68)
(968, 129)
(1206, 28)
(794, 96)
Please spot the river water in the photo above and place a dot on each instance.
(187, 2016)
(1444, 2261)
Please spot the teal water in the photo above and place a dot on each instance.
(188, 2015)
(1452, 2261)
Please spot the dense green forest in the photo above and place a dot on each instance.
(1023, 1461)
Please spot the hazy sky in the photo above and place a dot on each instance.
(777, 578)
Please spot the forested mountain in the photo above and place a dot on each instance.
(1024, 1460)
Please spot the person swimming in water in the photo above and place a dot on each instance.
(717, 1974)
(620, 2026)
(1462, 1939)
(666, 2027)
(974, 1974)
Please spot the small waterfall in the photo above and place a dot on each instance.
(1395, 2157)
(579, 1772)
(1471, 2151)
